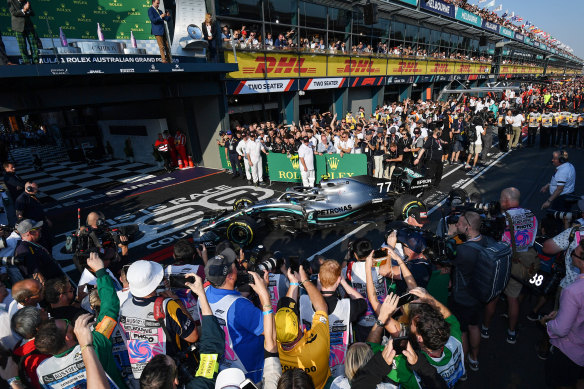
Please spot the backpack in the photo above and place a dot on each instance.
(492, 269)
(472, 134)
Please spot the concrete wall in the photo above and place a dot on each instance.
(142, 145)
(360, 97)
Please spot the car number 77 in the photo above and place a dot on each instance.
(381, 184)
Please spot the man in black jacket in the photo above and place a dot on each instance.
(23, 28)
(3, 57)
(14, 183)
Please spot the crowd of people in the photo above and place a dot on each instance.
(227, 316)
(288, 40)
(507, 21)
(422, 135)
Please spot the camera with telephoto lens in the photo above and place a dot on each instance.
(569, 216)
(11, 261)
(492, 219)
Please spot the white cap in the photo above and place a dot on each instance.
(229, 378)
(144, 277)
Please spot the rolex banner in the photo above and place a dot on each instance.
(287, 168)
(78, 19)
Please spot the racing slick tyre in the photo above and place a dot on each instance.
(242, 231)
(244, 201)
(406, 205)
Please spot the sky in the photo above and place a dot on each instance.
(561, 18)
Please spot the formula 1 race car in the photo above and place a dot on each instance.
(304, 209)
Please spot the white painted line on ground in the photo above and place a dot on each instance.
(467, 183)
(336, 242)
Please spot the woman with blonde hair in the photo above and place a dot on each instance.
(209, 29)
(357, 356)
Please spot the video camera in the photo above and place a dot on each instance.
(11, 261)
(440, 250)
(5, 232)
(493, 221)
(86, 241)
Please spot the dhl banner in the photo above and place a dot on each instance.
(279, 65)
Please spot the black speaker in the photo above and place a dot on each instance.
(483, 41)
(370, 13)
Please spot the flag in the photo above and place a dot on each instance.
(482, 1)
(63, 38)
(519, 19)
(512, 16)
(490, 4)
(527, 23)
(499, 8)
(100, 33)
(133, 40)
(505, 14)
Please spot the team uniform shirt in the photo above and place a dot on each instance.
(564, 118)
(573, 122)
(565, 175)
(307, 154)
(525, 227)
(355, 273)
(312, 352)
(534, 118)
(346, 144)
(243, 325)
(254, 150)
(450, 365)
(547, 120)
(556, 119)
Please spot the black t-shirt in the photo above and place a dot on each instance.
(36, 259)
(378, 143)
(433, 149)
(70, 313)
(358, 306)
(421, 270)
(13, 182)
(30, 207)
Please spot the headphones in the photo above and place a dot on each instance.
(562, 156)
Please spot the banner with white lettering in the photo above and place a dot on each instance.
(261, 86)
(468, 17)
(439, 7)
(322, 83)
(493, 27)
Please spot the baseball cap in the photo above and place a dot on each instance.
(413, 239)
(231, 377)
(228, 132)
(218, 267)
(144, 277)
(27, 225)
(287, 320)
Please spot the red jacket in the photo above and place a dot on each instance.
(31, 362)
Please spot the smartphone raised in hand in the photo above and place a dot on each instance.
(179, 281)
(400, 344)
(406, 298)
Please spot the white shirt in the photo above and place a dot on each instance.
(518, 120)
(346, 144)
(479, 130)
(242, 148)
(254, 149)
(305, 152)
(565, 175)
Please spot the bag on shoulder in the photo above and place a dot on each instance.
(472, 135)
(492, 269)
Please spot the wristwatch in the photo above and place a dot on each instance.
(379, 323)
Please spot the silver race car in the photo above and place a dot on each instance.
(332, 202)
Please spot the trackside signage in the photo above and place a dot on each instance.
(264, 86)
(439, 7)
(468, 17)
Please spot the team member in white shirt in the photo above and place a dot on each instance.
(306, 157)
(562, 183)
(518, 121)
(242, 151)
(254, 157)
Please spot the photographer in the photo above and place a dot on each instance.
(33, 259)
(88, 279)
(174, 330)
(525, 259)
(562, 183)
(465, 306)
(28, 206)
(241, 321)
(56, 337)
(162, 370)
(60, 294)
(433, 148)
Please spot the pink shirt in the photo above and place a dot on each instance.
(566, 331)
